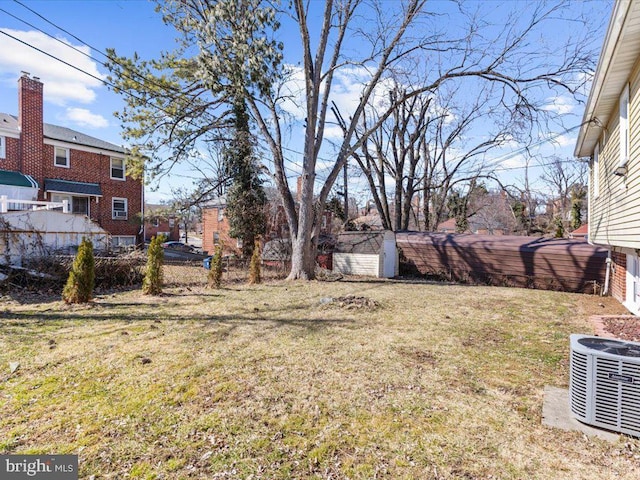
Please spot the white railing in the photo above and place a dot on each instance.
(5, 202)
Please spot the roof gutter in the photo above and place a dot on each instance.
(620, 11)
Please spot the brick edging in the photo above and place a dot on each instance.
(597, 321)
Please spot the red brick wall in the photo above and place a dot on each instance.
(618, 276)
(210, 225)
(10, 162)
(96, 168)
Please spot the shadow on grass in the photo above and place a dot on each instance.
(30, 319)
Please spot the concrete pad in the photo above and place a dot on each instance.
(557, 413)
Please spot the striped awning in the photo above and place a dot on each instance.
(17, 179)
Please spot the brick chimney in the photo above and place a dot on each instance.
(30, 121)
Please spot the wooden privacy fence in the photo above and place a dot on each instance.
(547, 264)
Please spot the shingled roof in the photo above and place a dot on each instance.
(63, 134)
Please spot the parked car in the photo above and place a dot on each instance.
(182, 247)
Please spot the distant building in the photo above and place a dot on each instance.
(215, 226)
(158, 221)
(580, 233)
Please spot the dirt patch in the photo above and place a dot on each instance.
(353, 302)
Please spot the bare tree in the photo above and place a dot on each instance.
(566, 180)
(236, 55)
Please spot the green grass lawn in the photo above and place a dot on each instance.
(273, 382)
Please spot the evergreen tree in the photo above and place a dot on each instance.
(335, 206)
(458, 208)
(79, 286)
(578, 195)
(246, 198)
(153, 276)
(559, 228)
(214, 279)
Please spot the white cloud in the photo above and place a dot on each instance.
(62, 84)
(560, 105)
(517, 161)
(565, 140)
(84, 118)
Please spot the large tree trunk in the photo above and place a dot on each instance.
(304, 239)
(303, 262)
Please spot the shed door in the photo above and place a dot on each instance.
(389, 260)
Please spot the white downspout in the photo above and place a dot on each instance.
(143, 227)
(607, 276)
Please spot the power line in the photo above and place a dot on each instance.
(97, 50)
(56, 58)
(104, 81)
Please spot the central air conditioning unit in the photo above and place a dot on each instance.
(604, 384)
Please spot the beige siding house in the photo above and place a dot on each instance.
(610, 137)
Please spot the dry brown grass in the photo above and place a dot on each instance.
(273, 381)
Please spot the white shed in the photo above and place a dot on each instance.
(366, 253)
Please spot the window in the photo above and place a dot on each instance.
(596, 171)
(3, 147)
(216, 238)
(119, 210)
(624, 126)
(220, 214)
(155, 222)
(61, 157)
(79, 205)
(117, 168)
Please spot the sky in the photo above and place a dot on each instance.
(77, 98)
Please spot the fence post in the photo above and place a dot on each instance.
(4, 204)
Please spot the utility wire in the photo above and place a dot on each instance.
(56, 58)
(104, 81)
(106, 56)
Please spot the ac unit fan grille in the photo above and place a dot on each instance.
(617, 404)
(578, 390)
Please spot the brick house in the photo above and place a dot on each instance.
(215, 226)
(158, 222)
(63, 164)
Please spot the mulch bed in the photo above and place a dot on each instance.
(624, 327)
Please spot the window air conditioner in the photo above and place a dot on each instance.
(119, 214)
(604, 383)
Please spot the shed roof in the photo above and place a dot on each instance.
(581, 230)
(361, 242)
(63, 134)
